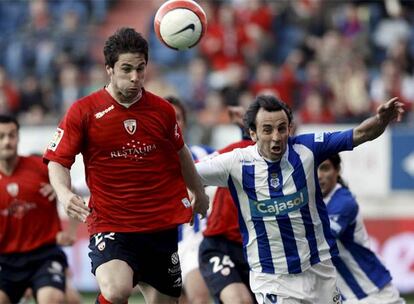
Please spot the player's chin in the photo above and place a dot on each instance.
(131, 93)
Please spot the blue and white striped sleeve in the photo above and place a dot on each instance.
(214, 171)
(324, 144)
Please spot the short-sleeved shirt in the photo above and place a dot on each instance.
(361, 273)
(131, 162)
(223, 219)
(283, 219)
(28, 220)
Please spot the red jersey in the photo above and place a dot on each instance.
(131, 162)
(223, 219)
(28, 220)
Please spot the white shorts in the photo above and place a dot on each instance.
(387, 295)
(317, 284)
(188, 253)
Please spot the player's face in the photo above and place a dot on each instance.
(272, 133)
(9, 138)
(179, 116)
(328, 176)
(127, 76)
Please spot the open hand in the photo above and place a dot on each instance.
(390, 111)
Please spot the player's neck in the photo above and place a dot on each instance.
(7, 166)
(119, 98)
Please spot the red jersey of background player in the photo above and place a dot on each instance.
(131, 163)
(223, 219)
(28, 220)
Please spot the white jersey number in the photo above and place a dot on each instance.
(218, 264)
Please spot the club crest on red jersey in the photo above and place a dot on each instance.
(13, 189)
(130, 126)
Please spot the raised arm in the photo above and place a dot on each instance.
(193, 182)
(374, 126)
(74, 205)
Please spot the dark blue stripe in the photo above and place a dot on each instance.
(180, 233)
(285, 226)
(196, 225)
(242, 224)
(299, 178)
(265, 255)
(323, 215)
(348, 277)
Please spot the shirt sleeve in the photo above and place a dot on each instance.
(67, 140)
(324, 144)
(342, 212)
(175, 135)
(215, 170)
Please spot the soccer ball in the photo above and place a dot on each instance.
(180, 24)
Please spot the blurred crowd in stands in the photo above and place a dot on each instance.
(331, 61)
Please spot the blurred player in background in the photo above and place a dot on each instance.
(137, 169)
(283, 219)
(72, 296)
(29, 225)
(221, 257)
(190, 236)
(362, 277)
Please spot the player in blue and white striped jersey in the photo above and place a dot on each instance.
(282, 216)
(362, 276)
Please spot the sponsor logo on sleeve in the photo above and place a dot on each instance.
(186, 202)
(57, 137)
(319, 137)
(176, 133)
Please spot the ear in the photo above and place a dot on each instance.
(109, 70)
(253, 135)
(292, 129)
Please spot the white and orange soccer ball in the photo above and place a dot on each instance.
(180, 24)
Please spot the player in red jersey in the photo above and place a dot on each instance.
(29, 225)
(137, 169)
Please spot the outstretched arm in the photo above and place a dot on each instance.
(374, 126)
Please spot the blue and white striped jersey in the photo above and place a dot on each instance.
(282, 216)
(185, 230)
(361, 273)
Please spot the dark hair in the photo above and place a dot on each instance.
(267, 102)
(335, 159)
(177, 102)
(9, 119)
(124, 40)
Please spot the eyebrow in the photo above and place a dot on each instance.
(130, 65)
